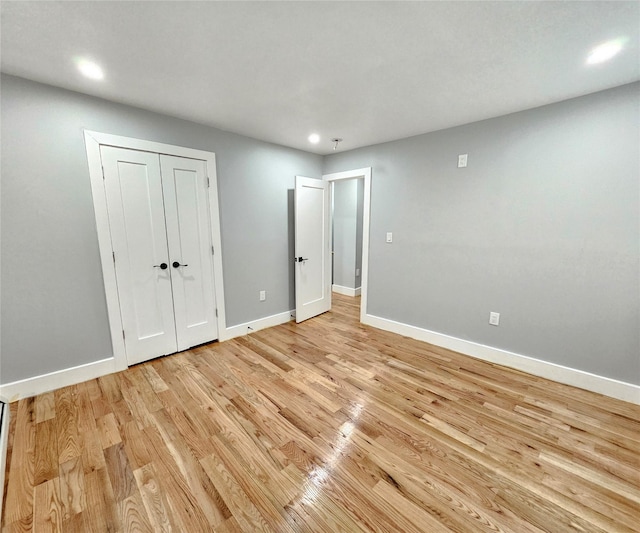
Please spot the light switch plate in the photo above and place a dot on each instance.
(389, 236)
(494, 318)
(462, 160)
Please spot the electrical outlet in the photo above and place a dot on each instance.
(494, 318)
(462, 160)
(263, 296)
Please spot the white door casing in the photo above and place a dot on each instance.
(312, 248)
(133, 188)
(184, 183)
(93, 143)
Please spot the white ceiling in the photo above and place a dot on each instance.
(368, 72)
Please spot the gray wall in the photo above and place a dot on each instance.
(345, 204)
(542, 226)
(53, 305)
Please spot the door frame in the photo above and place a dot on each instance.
(93, 141)
(364, 173)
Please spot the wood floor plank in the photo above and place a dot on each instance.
(135, 446)
(267, 493)
(86, 417)
(74, 524)
(20, 475)
(133, 516)
(193, 480)
(108, 430)
(46, 507)
(46, 452)
(145, 388)
(151, 495)
(323, 514)
(323, 426)
(155, 381)
(92, 452)
(192, 500)
(45, 407)
(68, 438)
(103, 515)
(240, 504)
(229, 526)
(119, 471)
(72, 492)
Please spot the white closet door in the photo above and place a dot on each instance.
(191, 260)
(133, 188)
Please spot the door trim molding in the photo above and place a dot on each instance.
(93, 141)
(364, 173)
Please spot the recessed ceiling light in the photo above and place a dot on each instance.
(604, 52)
(90, 69)
(314, 138)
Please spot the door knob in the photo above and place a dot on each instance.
(163, 266)
(176, 265)
(301, 259)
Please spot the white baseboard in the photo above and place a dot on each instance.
(255, 325)
(621, 390)
(4, 441)
(569, 376)
(347, 291)
(26, 388)
(11, 392)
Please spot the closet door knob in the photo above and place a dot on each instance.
(163, 266)
(176, 265)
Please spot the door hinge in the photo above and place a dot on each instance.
(103, 176)
(208, 182)
(216, 313)
(212, 250)
(123, 337)
(114, 256)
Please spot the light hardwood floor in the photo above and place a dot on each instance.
(326, 426)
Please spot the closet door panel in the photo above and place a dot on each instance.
(133, 189)
(189, 238)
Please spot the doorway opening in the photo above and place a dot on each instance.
(350, 208)
(347, 205)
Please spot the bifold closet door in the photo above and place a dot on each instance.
(184, 182)
(133, 186)
(159, 219)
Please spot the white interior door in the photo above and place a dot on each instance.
(184, 183)
(133, 188)
(312, 248)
